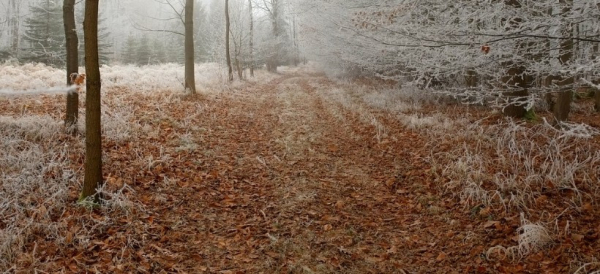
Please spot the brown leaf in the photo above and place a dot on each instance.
(374, 259)
(492, 224)
(577, 237)
(485, 212)
(392, 250)
(69, 237)
(442, 256)
(541, 200)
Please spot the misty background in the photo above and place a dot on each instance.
(143, 32)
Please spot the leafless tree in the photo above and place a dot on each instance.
(227, 35)
(190, 80)
(93, 134)
(72, 64)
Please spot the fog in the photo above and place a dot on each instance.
(152, 29)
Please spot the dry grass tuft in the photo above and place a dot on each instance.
(523, 162)
(532, 237)
(34, 182)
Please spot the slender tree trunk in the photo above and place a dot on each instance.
(549, 96)
(273, 59)
(471, 79)
(238, 67)
(14, 21)
(597, 100)
(227, 34)
(190, 78)
(251, 38)
(238, 56)
(545, 80)
(72, 64)
(93, 137)
(296, 47)
(562, 108)
(516, 77)
(595, 49)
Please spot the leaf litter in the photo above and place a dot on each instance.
(300, 175)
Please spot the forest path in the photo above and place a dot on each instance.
(290, 176)
(286, 173)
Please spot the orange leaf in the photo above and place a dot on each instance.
(441, 257)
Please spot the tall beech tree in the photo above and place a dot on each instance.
(185, 15)
(562, 107)
(597, 100)
(227, 35)
(13, 16)
(517, 79)
(251, 39)
(190, 80)
(274, 9)
(72, 64)
(93, 141)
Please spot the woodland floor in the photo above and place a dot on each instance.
(280, 178)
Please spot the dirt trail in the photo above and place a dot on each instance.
(286, 179)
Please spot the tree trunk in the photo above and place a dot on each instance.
(238, 67)
(562, 107)
(16, 10)
(545, 80)
(93, 138)
(595, 49)
(251, 39)
(72, 64)
(549, 96)
(516, 77)
(471, 79)
(597, 100)
(273, 59)
(296, 47)
(190, 78)
(227, 53)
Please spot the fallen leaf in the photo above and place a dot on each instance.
(492, 224)
(587, 207)
(442, 256)
(577, 237)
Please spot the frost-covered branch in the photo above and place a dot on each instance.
(465, 48)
